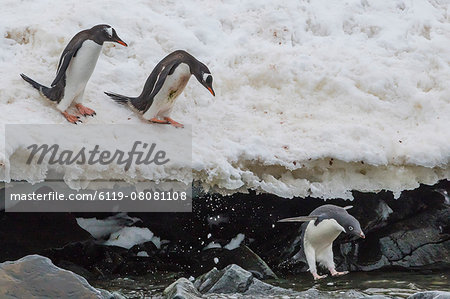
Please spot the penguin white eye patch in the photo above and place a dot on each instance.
(205, 76)
(109, 31)
(350, 227)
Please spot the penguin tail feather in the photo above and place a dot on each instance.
(118, 98)
(44, 90)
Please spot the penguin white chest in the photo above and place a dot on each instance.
(322, 235)
(78, 73)
(173, 86)
(82, 65)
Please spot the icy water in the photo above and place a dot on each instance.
(391, 284)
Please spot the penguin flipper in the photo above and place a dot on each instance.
(299, 219)
(69, 52)
(169, 69)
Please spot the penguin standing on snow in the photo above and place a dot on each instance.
(75, 67)
(320, 229)
(165, 84)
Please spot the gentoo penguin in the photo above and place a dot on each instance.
(165, 84)
(320, 229)
(75, 67)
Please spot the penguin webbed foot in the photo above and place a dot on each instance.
(335, 273)
(166, 121)
(71, 118)
(158, 121)
(317, 276)
(85, 111)
(174, 123)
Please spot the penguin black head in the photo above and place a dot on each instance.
(350, 223)
(203, 75)
(105, 33)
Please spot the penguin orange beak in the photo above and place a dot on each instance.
(118, 40)
(211, 91)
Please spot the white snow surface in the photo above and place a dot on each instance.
(127, 237)
(235, 242)
(99, 228)
(212, 245)
(142, 254)
(312, 97)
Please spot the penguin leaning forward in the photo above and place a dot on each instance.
(75, 67)
(320, 229)
(165, 83)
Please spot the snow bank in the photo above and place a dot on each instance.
(312, 98)
(127, 237)
(99, 228)
(120, 231)
(235, 242)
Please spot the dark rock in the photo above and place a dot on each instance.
(28, 233)
(261, 289)
(232, 279)
(431, 295)
(242, 256)
(414, 243)
(35, 276)
(102, 261)
(235, 280)
(149, 247)
(77, 270)
(134, 265)
(182, 289)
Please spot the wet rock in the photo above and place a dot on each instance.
(36, 276)
(181, 289)
(93, 260)
(261, 289)
(431, 295)
(235, 282)
(147, 247)
(417, 243)
(232, 279)
(77, 270)
(242, 256)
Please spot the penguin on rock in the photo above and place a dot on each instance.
(75, 67)
(165, 83)
(320, 229)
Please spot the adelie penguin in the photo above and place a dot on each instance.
(320, 229)
(165, 83)
(75, 67)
